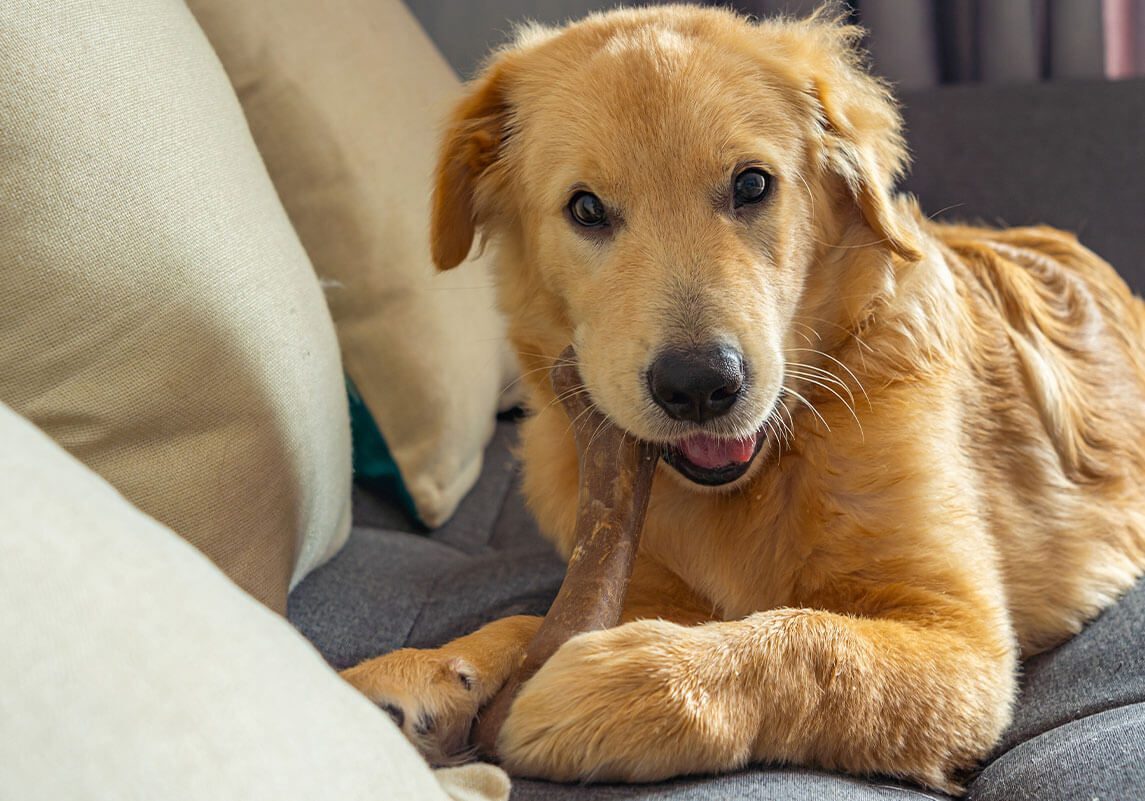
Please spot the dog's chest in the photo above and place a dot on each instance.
(743, 553)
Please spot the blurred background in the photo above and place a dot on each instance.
(914, 43)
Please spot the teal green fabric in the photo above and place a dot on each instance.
(374, 467)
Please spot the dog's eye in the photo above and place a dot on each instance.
(750, 186)
(587, 210)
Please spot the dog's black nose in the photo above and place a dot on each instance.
(698, 384)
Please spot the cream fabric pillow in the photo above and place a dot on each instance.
(159, 318)
(344, 100)
(133, 669)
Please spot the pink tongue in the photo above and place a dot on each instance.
(710, 453)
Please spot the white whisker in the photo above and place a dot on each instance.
(825, 375)
(843, 400)
(844, 329)
(810, 406)
(854, 377)
(810, 195)
(595, 434)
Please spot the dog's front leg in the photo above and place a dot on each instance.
(918, 695)
(434, 694)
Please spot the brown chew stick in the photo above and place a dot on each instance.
(615, 481)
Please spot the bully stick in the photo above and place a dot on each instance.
(615, 481)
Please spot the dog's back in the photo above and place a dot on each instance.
(1059, 367)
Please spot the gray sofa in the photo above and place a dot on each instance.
(1066, 154)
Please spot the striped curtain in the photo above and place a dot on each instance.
(920, 43)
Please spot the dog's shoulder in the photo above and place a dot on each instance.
(1068, 323)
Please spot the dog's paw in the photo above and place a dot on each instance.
(640, 702)
(431, 696)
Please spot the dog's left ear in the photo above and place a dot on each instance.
(469, 163)
(860, 126)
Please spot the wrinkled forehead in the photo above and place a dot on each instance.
(646, 101)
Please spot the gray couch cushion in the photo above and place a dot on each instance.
(395, 585)
(1067, 154)
(779, 784)
(1102, 668)
(1079, 726)
(1098, 757)
(1079, 729)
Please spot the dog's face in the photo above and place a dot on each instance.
(664, 184)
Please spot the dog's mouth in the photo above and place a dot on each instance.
(711, 461)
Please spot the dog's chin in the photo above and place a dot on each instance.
(706, 462)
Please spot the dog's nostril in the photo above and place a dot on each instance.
(697, 384)
(723, 393)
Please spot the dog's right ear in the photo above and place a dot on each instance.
(469, 166)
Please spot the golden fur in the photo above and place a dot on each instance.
(954, 474)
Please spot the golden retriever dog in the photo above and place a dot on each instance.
(899, 456)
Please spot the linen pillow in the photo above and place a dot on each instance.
(134, 669)
(344, 100)
(159, 318)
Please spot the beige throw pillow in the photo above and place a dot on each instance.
(345, 100)
(158, 317)
(133, 669)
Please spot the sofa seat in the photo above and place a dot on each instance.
(1078, 731)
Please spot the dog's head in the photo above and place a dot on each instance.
(687, 197)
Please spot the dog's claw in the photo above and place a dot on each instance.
(396, 713)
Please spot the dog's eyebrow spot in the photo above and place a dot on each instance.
(665, 40)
